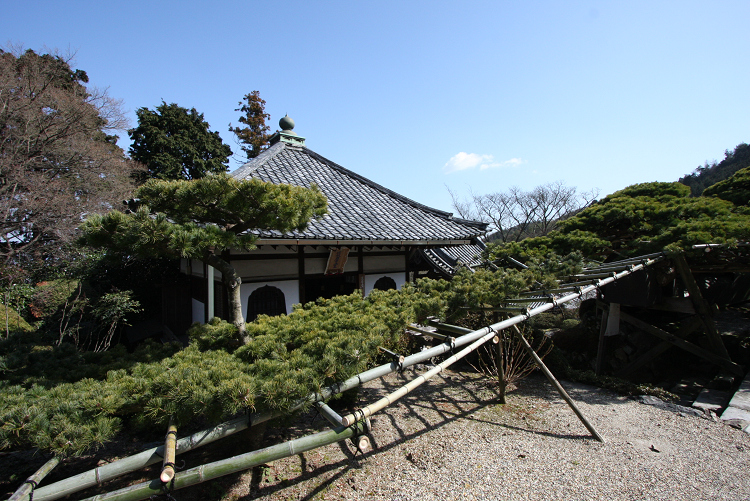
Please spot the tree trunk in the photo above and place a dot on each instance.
(232, 282)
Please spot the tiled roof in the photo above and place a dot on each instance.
(358, 209)
(447, 259)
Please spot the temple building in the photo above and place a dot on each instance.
(371, 238)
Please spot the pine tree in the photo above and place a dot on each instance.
(199, 219)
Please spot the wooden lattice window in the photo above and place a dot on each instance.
(385, 284)
(267, 300)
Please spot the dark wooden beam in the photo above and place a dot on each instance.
(701, 306)
(682, 344)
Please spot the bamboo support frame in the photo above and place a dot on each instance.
(371, 409)
(126, 465)
(27, 489)
(560, 290)
(234, 464)
(331, 415)
(170, 442)
(532, 299)
(479, 337)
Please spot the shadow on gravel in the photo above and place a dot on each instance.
(446, 399)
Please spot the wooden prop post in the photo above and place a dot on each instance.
(552, 379)
(30, 484)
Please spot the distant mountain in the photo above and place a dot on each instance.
(705, 176)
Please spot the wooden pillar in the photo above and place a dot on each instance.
(361, 269)
(301, 273)
(406, 264)
(210, 293)
(602, 342)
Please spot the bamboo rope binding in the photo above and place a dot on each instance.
(170, 442)
(27, 489)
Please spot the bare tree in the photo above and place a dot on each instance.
(516, 214)
(58, 162)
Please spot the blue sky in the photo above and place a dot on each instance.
(417, 96)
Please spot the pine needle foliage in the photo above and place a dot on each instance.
(58, 399)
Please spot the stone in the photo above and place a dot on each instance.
(741, 398)
(711, 400)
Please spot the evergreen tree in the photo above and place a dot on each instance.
(176, 143)
(253, 138)
(199, 219)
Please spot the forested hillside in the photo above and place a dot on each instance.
(710, 174)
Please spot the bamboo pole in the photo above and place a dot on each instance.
(331, 415)
(441, 337)
(170, 442)
(556, 384)
(26, 490)
(234, 464)
(112, 470)
(369, 410)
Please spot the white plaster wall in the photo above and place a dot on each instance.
(317, 266)
(290, 288)
(197, 266)
(272, 268)
(375, 264)
(399, 278)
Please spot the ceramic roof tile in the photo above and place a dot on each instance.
(358, 209)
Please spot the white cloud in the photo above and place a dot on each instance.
(464, 161)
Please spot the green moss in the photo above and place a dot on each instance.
(13, 321)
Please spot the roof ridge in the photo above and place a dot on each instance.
(251, 166)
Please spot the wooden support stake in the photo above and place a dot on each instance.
(167, 471)
(556, 384)
(30, 484)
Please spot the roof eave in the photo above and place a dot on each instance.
(336, 243)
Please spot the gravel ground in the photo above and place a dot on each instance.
(451, 440)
